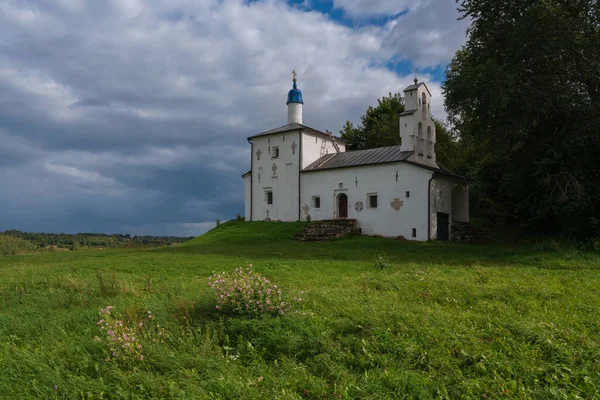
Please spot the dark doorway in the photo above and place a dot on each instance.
(342, 205)
(443, 226)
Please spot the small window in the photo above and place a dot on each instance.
(269, 196)
(275, 152)
(372, 200)
(414, 233)
(316, 202)
(407, 194)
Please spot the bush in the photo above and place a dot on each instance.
(248, 293)
(239, 217)
(10, 246)
(382, 262)
(125, 337)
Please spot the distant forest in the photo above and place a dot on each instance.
(95, 240)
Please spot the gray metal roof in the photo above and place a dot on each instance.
(357, 158)
(416, 86)
(295, 127)
(409, 112)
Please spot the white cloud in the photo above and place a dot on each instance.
(122, 98)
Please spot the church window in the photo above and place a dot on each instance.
(316, 202)
(429, 143)
(269, 196)
(420, 143)
(372, 200)
(414, 232)
(407, 194)
(275, 153)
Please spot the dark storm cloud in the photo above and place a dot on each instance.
(128, 116)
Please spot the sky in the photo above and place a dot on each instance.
(131, 116)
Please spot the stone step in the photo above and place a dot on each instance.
(328, 230)
(464, 232)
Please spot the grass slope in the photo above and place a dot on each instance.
(439, 320)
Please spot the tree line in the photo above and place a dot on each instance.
(523, 100)
(94, 240)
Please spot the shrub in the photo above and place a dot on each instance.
(248, 293)
(239, 217)
(10, 246)
(125, 337)
(381, 262)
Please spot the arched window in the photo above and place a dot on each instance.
(429, 143)
(420, 139)
(424, 103)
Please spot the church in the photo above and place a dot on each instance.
(299, 173)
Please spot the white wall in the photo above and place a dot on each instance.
(247, 191)
(409, 127)
(283, 183)
(316, 146)
(442, 189)
(357, 182)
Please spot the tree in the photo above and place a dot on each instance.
(525, 92)
(380, 126)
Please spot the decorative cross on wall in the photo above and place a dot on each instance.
(294, 147)
(396, 204)
(274, 169)
(258, 153)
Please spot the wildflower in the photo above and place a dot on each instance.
(141, 357)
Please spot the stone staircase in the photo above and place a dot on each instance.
(463, 232)
(319, 231)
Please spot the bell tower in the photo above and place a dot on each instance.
(417, 128)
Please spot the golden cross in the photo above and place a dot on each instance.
(294, 72)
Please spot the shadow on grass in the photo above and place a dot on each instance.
(275, 241)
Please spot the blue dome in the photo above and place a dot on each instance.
(295, 95)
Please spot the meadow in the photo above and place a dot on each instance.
(380, 318)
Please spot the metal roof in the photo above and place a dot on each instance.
(379, 155)
(295, 127)
(295, 95)
(416, 86)
(409, 112)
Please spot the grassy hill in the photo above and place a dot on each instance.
(381, 319)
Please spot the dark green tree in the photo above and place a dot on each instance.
(380, 125)
(525, 92)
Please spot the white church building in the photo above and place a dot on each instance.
(300, 173)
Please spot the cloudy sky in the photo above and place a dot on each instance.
(131, 116)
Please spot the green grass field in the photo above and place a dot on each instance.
(381, 319)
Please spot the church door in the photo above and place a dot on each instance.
(342, 206)
(443, 226)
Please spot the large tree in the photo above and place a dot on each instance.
(525, 91)
(380, 127)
